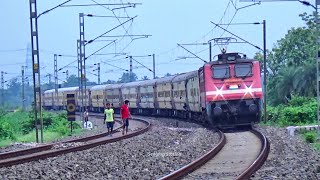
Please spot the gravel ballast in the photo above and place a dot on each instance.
(161, 150)
(289, 157)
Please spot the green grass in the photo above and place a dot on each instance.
(31, 137)
(48, 136)
(5, 142)
(19, 127)
(311, 137)
(317, 146)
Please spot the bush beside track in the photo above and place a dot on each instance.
(19, 126)
(298, 111)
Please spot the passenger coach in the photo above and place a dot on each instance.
(226, 92)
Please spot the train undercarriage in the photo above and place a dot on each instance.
(234, 112)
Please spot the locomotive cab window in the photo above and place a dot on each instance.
(221, 72)
(243, 70)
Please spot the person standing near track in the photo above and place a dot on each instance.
(125, 115)
(86, 116)
(109, 118)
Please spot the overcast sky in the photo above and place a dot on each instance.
(169, 22)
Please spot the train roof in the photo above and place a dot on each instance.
(231, 58)
(115, 86)
(132, 84)
(49, 91)
(89, 87)
(150, 82)
(184, 76)
(165, 79)
(99, 87)
(68, 89)
(141, 83)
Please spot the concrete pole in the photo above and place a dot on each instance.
(130, 75)
(317, 60)
(22, 86)
(98, 73)
(2, 89)
(210, 52)
(154, 66)
(56, 80)
(264, 71)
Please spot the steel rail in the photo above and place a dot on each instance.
(46, 147)
(262, 157)
(198, 162)
(42, 152)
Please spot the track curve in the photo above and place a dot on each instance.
(262, 157)
(239, 158)
(199, 162)
(55, 149)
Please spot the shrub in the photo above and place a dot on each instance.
(6, 131)
(299, 100)
(61, 124)
(310, 137)
(22, 123)
(299, 111)
(2, 112)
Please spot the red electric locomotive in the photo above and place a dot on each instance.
(230, 90)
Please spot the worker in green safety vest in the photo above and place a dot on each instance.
(109, 118)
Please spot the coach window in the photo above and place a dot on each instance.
(176, 93)
(221, 71)
(182, 93)
(160, 94)
(243, 70)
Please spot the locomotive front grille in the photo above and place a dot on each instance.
(235, 107)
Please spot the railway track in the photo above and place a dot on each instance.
(237, 156)
(55, 149)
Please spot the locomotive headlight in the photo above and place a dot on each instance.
(248, 90)
(219, 92)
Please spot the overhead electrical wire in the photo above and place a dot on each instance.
(142, 64)
(173, 49)
(94, 40)
(90, 41)
(126, 30)
(98, 4)
(115, 66)
(113, 14)
(100, 49)
(12, 50)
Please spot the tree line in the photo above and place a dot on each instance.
(291, 63)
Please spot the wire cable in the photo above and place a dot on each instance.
(110, 30)
(115, 66)
(100, 49)
(142, 64)
(12, 50)
(238, 36)
(60, 5)
(113, 14)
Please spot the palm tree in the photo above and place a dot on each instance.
(305, 82)
(286, 79)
